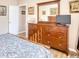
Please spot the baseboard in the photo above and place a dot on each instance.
(70, 49)
(22, 32)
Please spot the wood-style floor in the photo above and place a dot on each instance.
(55, 53)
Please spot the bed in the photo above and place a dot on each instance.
(13, 47)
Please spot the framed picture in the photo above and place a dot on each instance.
(53, 11)
(3, 10)
(23, 12)
(31, 10)
(74, 6)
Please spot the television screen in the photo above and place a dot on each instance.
(63, 19)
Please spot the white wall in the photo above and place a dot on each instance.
(64, 9)
(4, 19)
(22, 2)
(13, 2)
(3, 24)
(73, 29)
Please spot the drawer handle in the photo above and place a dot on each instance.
(60, 44)
(60, 37)
(48, 34)
(48, 42)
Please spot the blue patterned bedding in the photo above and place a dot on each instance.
(14, 47)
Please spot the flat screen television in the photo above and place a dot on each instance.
(63, 19)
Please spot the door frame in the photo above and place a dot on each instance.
(25, 17)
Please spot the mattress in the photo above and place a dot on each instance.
(13, 47)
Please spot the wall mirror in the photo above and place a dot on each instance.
(48, 9)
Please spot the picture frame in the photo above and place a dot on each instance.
(31, 10)
(74, 6)
(23, 12)
(53, 11)
(3, 10)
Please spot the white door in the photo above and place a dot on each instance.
(13, 20)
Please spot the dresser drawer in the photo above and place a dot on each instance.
(49, 28)
(46, 42)
(55, 35)
(61, 45)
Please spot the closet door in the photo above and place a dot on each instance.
(13, 20)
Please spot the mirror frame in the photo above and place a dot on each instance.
(45, 3)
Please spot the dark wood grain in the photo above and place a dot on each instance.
(50, 34)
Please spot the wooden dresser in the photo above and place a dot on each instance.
(50, 34)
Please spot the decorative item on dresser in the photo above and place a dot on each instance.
(50, 34)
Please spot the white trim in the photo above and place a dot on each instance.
(70, 49)
(22, 32)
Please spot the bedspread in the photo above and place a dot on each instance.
(13, 47)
